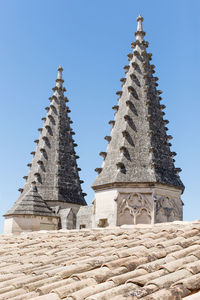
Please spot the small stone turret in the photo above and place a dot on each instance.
(54, 166)
(32, 204)
(138, 166)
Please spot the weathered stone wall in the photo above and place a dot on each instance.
(105, 208)
(142, 204)
(63, 205)
(84, 217)
(17, 224)
(168, 205)
(67, 218)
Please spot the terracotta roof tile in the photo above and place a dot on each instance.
(190, 233)
(137, 251)
(99, 260)
(170, 242)
(157, 253)
(48, 287)
(36, 284)
(176, 264)
(173, 248)
(11, 294)
(91, 290)
(70, 270)
(65, 290)
(6, 289)
(168, 279)
(184, 252)
(19, 278)
(166, 294)
(120, 279)
(191, 282)
(196, 253)
(99, 274)
(193, 267)
(196, 296)
(156, 264)
(144, 279)
(26, 296)
(141, 293)
(131, 262)
(51, 296)
(6, 277)
(110, 293)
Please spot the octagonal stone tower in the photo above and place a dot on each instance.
(53, 182)
(138, 182)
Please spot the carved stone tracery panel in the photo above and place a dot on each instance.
(134, 208)
(168, 209)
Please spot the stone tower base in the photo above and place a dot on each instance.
(21, 223)
(136, 204)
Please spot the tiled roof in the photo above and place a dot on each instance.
(159, 261)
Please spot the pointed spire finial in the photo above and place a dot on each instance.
(59, 80)
(140, 33)
(60, 69)
(139, 25)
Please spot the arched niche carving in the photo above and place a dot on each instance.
(143, 217)
(168, 209)
(134, 208)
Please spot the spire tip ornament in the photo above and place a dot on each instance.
(60, 70)
(140, 18)
(59, 80)
(139, 25)
(140, 33)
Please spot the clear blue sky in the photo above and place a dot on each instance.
(91, 39)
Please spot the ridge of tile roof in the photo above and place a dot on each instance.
(149, 262)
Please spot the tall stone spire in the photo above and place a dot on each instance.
(54, 169)
(138, 153)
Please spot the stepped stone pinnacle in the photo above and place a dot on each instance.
(54, 168)
(138, 149)
(31, 204)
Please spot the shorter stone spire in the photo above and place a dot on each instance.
(31, 204)
(54, 166)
